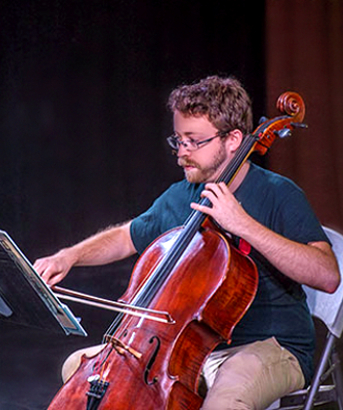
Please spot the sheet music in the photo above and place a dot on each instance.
(24, 296)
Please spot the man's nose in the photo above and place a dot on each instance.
(182, 151)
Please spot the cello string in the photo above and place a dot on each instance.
(230, 170)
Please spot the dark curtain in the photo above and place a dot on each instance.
(82, 131)
(304, 53)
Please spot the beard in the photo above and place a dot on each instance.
(200, 173)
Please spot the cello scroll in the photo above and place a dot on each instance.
(292, 106)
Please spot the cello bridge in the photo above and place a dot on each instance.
(121, 347)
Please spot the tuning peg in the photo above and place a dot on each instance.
(284, 133)
(262, 120)
(299, 125)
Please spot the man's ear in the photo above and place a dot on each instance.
(234, 140)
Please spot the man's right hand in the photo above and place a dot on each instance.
(54, 268)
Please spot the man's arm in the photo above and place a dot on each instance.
(312, 264)
(110, 245)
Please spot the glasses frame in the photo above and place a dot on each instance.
(174, 142)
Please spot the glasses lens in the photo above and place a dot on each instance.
(173, 142)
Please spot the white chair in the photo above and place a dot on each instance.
(329, 309)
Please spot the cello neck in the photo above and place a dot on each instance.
(197, 218)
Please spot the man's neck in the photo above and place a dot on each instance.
(239, 178)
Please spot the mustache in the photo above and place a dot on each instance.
(185, 162)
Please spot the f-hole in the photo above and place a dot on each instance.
(151, 361)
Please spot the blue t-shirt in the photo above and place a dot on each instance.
(279, 308)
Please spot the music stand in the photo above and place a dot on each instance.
(26, 299)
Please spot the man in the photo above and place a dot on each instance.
(272, 346)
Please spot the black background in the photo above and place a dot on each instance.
(83, 122)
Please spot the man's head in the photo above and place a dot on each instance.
(223, 101)
(210, 119)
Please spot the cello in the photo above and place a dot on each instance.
(187, 292)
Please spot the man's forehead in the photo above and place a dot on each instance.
(191, 124)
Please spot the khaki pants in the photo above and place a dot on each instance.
(250, 377)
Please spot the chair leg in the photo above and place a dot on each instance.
(337, 378)
(319, 371)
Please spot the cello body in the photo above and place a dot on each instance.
(205, 297)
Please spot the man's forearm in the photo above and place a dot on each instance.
(112, 244)
(311, 264)
(107, 246)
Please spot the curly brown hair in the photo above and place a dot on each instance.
(223, 100)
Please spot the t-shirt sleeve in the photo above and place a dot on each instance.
(297, 220)
(147, 227)
(159, 218)
(170, 210)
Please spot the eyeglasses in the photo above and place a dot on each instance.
(174, 141)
